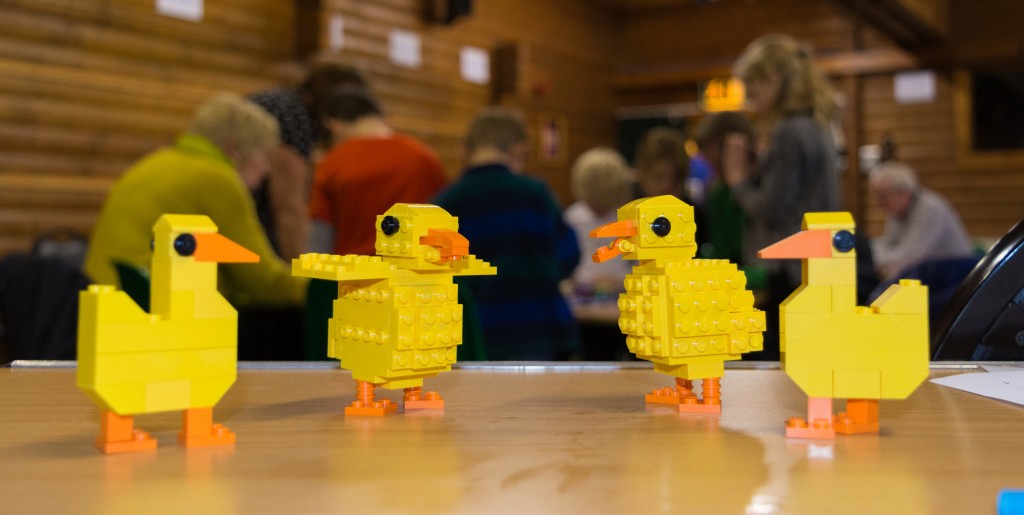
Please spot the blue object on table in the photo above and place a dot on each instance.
(1011, 502)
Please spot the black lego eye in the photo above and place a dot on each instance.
(843, 241)
(185, 245)
(389, 225)
(661, 226)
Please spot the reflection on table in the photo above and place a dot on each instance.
(514, 438)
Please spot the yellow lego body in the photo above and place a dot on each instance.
(397, 319)
(876, 352)
(131, 362)
(183, 355)
(689, 317)
(833, 348)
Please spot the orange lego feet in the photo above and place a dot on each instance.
(672, 396)
(861, 416)
(366, 404)
(117, 435)
(711, 401)
(821, 429)
(415, 399)
(819, 413)
(198, 430)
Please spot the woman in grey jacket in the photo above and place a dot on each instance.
(796, 170)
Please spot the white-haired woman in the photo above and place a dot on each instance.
(207, 171)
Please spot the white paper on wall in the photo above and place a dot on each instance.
(404, 48)
(191, 10)
(475, 65)
(336, 32)
(917, 87)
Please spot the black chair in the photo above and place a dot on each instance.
(984, 320)
(39, 306)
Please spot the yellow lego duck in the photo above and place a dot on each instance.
(833, 348)
(397, 319)
(688, 316)
(181, 356)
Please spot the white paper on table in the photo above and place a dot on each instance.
(1007, 386)
(1001, 368)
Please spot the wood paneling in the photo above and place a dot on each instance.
(661, 65)
(87, 87)
(986, 32)
(566, 57)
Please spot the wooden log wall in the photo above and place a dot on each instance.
(984, 189)
(565, 64)
(89, 86)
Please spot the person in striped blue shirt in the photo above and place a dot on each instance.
(514, 222)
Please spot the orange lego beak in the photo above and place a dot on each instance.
(212, 247)
(617, 230)
(802, 245)
(451, 245)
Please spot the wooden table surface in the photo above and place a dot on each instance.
(514, 439)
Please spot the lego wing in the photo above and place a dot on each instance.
(470, 265)
(341, 268)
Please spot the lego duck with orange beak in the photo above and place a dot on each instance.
(688, 316)
(397, 319)
(180, 356)
(833, 348)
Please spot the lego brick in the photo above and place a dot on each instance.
(182, 355)
(840, 271)
(809, 299)
(833, 348)
(397, 320)
(857, 383)
(903, 298)
(688, 316)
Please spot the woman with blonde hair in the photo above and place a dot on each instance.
(796, 170)
(205, 172)
(601, 183)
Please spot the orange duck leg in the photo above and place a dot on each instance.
(118, 434)
(861, 416)
(366, 404)
(818, 423)
(415, 399)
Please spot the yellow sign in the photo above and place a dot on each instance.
(723, 95)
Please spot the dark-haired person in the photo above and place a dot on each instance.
(369, 168)
(282, 200)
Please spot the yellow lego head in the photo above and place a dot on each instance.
(650, 228)
(420, 237)
(186, 250)
(825, 235)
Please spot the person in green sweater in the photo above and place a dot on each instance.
(208, 171)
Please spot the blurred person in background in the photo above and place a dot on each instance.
(515, 223)
(919, 224)
(797, 168)
(282, 199)
(662, 165)
(368, 169)
(208, 171)
(601, 183)
(723, 215)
